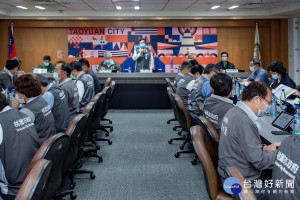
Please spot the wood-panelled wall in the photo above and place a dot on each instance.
(36, 38)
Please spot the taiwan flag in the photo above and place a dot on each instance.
(12, 49)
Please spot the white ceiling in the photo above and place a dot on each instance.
(149, 9)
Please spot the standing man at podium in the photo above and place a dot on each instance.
(143, 57)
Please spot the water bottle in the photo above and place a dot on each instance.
(273, 107)
(242, 86)
(6, 92)
(32, 68)
(129, 69)
(232, 77)
(12, 95)
(297, 121)
(237, 88)
(282, 100)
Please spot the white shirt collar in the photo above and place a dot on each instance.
(249, 112)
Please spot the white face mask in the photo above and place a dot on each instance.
(224, 59)
(46, 64)
(252, 68)
(262, 112)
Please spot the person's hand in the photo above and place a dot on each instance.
(297, 93)
(239, 79)
(20, 73)
(3, 91)
(141, 50)
(15, 103)
(272, 147)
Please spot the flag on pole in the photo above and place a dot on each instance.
(257, 44)
(12, 49)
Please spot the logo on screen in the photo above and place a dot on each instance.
(232, 186)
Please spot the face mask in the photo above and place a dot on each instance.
(16, 73)
(275, 76)
(142, 46)
(46, 64)
(252, 68)
(72, 77)
(262, 112)
(224, 59)
(55, 76)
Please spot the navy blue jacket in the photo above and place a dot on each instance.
(97, 84)
(286, 80)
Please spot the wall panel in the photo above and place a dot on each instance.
(36, 38)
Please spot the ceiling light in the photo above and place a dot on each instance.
(136, 7)
(22, 7)
(233, 7)
(40, 7)
(119, 8)
(215, 7)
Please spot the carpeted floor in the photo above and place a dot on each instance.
(140, 164)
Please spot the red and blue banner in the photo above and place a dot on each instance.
(169, 45)
(12, 49)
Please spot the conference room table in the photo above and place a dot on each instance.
(266, 128)
(141, 90)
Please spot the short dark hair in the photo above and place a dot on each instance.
(224, 52)
(197, 68)
(255, 61)
(85, 62)
(11, 64)
(142, 39)
(256, 88)
(277, 66)
(3, 101)
(65, 67)
(78, 53)
(28, 85)
(43, 80)
(211, 67)
(185, 64)
(75, 65)
(222, 84)
(46, 57)
(193, 62)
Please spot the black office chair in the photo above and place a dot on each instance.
(33, 186)
(109, 97)
(54, 149)
(170, 92)
(107, 82)
(107, 91)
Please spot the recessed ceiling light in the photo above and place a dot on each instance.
(135, 0)
(233, 7)
(22, 7)
(136, 7)
(119, 8)
(215, 7)
(40, 7)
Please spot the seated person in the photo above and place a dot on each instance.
(201, 90)
(217, 105)
(78, 55)
(191, 56)
(240, 143)
(29, 89)
(19, 60)
(185, 85)
(184, 70)
(84, 83)
(46, 64)
(258, 73)
(62, 75)
(58, 103)
(286, 168)
(224, 64)
(108, 63)
(279, 75)
(18, 144)
(88, 70)
(9, 73)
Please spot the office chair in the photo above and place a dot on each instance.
(209, 162)
(170, 91)
(168, 82)
(112, 85)
(107, 91)
(33, 186)
(107, 82)
(54, 149)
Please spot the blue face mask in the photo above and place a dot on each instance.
(252, 68)
(275, 76)
(142, 46)
(55, 76)
(46, 64)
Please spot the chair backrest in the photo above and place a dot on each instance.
(112, 85)
(172, 100)
(74, 131)
(213, 134)
(107, 82)
(208, 160)
(107, 91)
(246, 193)
(183, 115)
(173, 86)
(54, 149)
(201, 108)
(33, 186)
(99, 103)
(88, 111)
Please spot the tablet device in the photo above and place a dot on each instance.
(283, 120)
(280, 133)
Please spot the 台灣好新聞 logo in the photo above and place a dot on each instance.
(232, 186)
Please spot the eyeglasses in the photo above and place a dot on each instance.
(269, 102)
(57, 70)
